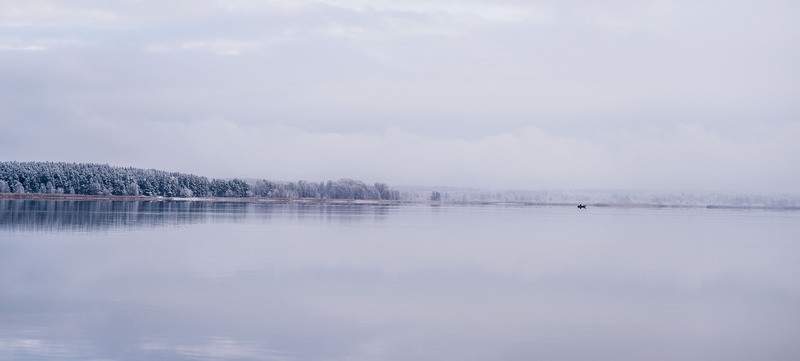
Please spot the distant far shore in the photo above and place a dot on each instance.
(84, 197)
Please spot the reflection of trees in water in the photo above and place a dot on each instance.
(99, 215)
(323, 213)
(35, 215)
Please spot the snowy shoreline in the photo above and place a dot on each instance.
(366, 202)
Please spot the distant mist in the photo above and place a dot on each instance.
(601, 197)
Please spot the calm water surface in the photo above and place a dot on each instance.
(202, 281)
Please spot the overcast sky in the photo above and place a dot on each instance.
(662, 95)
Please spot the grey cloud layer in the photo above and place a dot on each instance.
(654, 94)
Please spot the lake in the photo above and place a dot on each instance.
(108, 280)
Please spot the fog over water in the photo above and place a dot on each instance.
(663, 95)
(197, 281)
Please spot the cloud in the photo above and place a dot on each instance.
(221, 47)
(40, 12)
(214, 348)
(617, 93)
(464, 10)
(22, 48)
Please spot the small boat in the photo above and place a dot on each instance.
(581, 206)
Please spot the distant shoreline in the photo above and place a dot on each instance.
(261, 200)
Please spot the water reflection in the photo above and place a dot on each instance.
(102, 215)
(315, 282)
(29, 215)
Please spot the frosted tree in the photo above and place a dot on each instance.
(186, 192)
(132, 189)
(103, 179)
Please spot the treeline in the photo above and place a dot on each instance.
(103, 179)
(342, 189)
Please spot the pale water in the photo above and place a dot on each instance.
(201, 281)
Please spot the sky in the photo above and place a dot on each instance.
(504, 94)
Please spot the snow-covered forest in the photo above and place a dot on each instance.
(103, 179)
